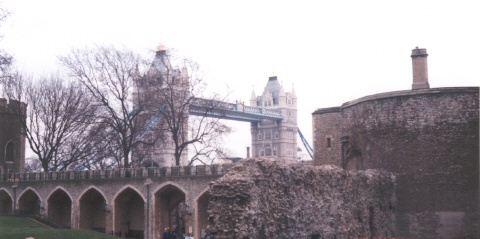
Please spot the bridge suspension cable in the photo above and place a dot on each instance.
(305, 143)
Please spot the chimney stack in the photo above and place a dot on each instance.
(420, 69)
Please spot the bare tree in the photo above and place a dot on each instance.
(176, 89)
(5, 59)
(58, 116)
(109, 75)
(209, 148)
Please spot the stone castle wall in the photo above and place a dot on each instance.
(429, 139)
(263, 198)
(11, 132)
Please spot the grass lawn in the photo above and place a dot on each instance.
(20, 228)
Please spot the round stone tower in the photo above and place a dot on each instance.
(12, 137)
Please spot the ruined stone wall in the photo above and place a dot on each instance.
(262, 198)
(430, 140)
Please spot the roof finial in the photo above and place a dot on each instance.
(161, 47)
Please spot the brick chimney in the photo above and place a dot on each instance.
(420, 69)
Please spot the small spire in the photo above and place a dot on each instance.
(293, 90)
(253, 97)
(161, 47)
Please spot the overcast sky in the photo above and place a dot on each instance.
(331, 51)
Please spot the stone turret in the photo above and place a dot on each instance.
(275, 139)
(12, 139)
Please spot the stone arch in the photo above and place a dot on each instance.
(29, 203)
(6, 202)
(169, 202)
(59, 207)
(92, 209)
(201, 215)
(129, 213)
(354, 159)
(9, 151)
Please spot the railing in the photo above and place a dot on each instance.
(224, 107)
(175, 171)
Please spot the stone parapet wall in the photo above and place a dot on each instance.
(430, 140)
(175, 171)
(262, 198)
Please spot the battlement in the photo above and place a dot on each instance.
(175, 171)
(12, 107)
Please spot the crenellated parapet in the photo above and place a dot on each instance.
(12, 107)
(119, 173)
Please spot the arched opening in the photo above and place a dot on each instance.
(129, 214)
(6, 203)
(169, 209)
(9, 152)
(60, 208)
(92, 211)
(202, 215)
(29, 204)
(354, 160)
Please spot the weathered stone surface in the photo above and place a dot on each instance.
(429, 139)
(263, 198)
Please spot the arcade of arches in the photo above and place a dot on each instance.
(125, 214)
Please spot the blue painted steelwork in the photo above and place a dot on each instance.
(232, 111)
(305, 143)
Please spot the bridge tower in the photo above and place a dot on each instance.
(275, 138)
(12, 139)
(162, 80)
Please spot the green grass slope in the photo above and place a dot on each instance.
(21, 228)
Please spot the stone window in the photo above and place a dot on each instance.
(259, 136)
(268, 150)
(289, 152)
(274, 151)
(329, 142)
(9, 152)
(276, 135)
(262, 152)
(268, 135)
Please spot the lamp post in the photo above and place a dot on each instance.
(14, 189)
(147, 183)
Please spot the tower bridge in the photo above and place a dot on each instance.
(140, 202)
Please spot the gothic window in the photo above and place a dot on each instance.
(9, 152)
(289, 152)
(268, 150)
(259, 136)
(276, 135)
(274, 151)
(262, 152)
(268, 135)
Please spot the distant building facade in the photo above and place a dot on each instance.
(161, 77)
(276, 139)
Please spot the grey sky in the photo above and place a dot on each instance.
(332, 51)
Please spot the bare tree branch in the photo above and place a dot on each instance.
(58, 116)
(109, 75)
